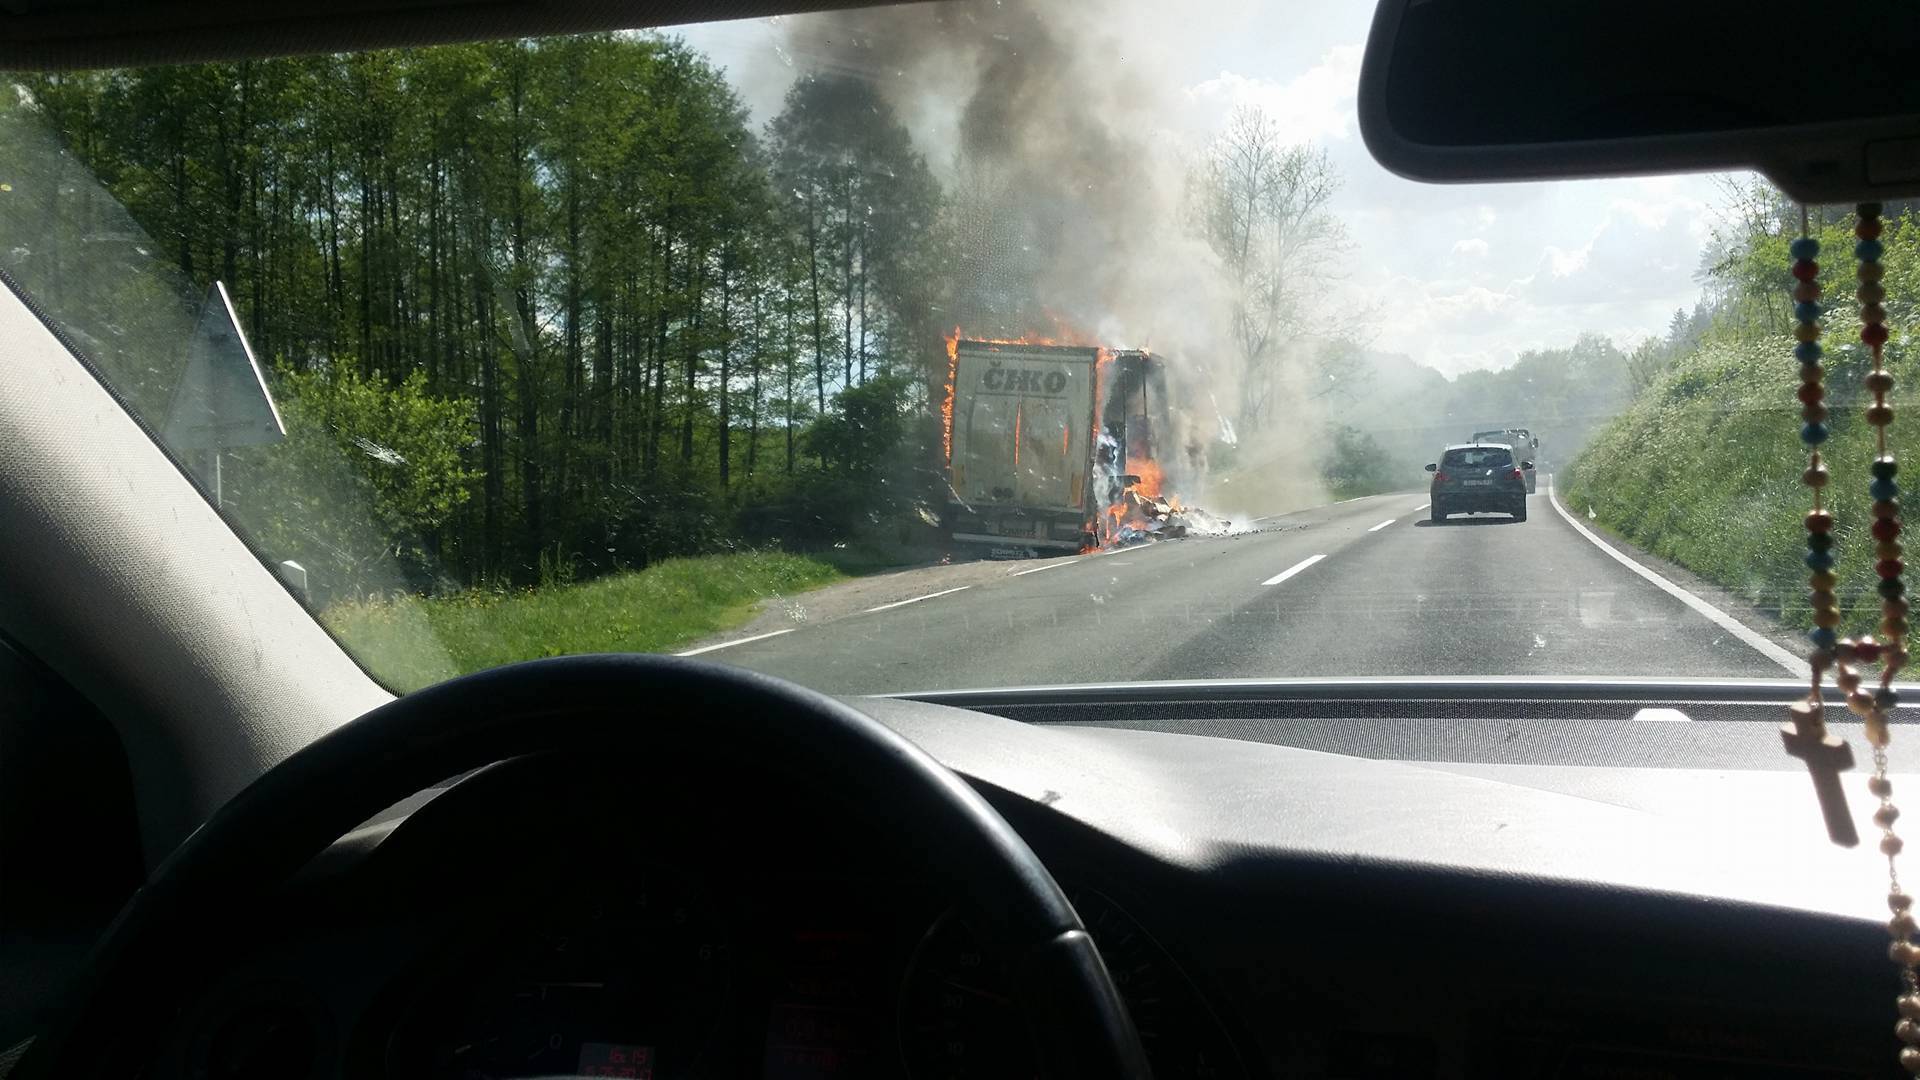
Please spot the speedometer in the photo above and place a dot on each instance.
(959, 1019)
(627, 978)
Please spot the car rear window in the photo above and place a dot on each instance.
(1488, 457)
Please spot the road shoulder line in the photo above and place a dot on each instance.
(735, 641)
(915, 600)
(1795, 666)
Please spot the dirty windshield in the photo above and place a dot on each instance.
(942, 346)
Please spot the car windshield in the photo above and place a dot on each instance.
(1490, 457)
(939, 346)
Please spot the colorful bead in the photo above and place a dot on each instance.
(1885, 528)
(1873, 334)
(1804, 248)
(1881, 787)
(1885, 817)
(1885, 468)
(1812, 373)
(1819, 540)
(1868, 251)
(1894, 629)
(1890, 588)
(1886, 698)
(1847, 680)
(1822, 582)
(1807, 352)
(1894, 608)
(1867, 229)
(1889, 568)
(1822, 637)
(1883, 488)
(1867, 650)
(1891, 845)
(1816, 476)
(1819, 560)
(1806, 290)
(1886, 508)
(1879, 415)
(1873, 313)
(1867, 209)
(1805, 332)
(1819, 521)
(1870, 271)
(1887, 549)
(1813, 434)
(1871, 292)
(1859, 702)
(1806, 311)
(1879, 382)
(1806, 269)
(1814, 414)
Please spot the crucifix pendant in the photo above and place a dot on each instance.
(1826, 756)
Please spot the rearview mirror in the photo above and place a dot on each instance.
(1432, 467)
(1526, 464)
(1477, 90)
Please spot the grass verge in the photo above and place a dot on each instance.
(410, 642)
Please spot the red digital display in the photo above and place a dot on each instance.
(612, 1059)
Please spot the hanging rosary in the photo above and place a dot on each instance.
(1805, 735)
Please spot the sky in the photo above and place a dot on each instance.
(1457, 277)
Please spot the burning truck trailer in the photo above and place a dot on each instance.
(1053, 448)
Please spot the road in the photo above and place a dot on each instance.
(1368, 587)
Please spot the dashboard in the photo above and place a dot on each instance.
(1267, 911)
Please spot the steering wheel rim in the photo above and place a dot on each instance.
(267, 832)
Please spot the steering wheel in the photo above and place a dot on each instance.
(602, 704)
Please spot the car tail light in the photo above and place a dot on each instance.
(1439, 478)
(1516, 474)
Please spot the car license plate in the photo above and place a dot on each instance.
(1475, 483)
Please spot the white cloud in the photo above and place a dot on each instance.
(1472, 248)
(1316, 104)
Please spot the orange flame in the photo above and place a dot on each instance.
(1148, 471)
(946, 406)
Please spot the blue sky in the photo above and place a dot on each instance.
(1457, 277)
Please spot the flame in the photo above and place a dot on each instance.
(1150, 476)
(946, 406)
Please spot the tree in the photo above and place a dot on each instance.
(367, 476)
(1261, 205)
(866, 208)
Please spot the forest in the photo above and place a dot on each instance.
(590, 310)
(537, 311)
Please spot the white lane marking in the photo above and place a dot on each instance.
(1292, 570)
(1661, 716)
(1049, 566)
(1383, 524)
(1795, 666)
(1421, 507)
(917, 599)
(731, 644)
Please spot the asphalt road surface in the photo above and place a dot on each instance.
(1368, 587)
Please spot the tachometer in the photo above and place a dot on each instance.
(959, 1021)
(629, 978)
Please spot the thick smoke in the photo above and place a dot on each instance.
(1069, 188)
(1068, 193)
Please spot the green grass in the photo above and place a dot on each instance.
(1704, 469)
(410, 642)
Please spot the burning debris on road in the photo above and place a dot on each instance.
(1055, 446)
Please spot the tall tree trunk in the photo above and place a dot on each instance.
(863, 303)
(691, 362)
(846, 289)
(791, 356)
(753, 360)
(726, 357)
(819, 316)
(658, 361)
